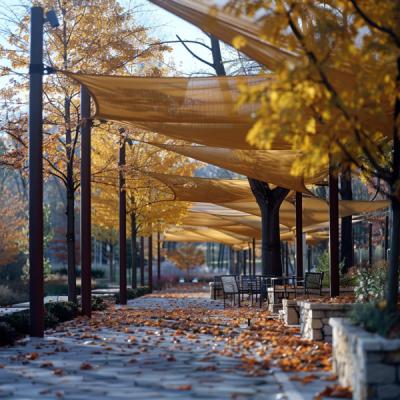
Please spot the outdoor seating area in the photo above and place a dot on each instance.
(260, 290)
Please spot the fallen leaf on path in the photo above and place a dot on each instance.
(184, 387)
(86, 366)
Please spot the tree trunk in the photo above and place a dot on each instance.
(70, 212)
(70, 236)
(269, 201)
(393, 270)
(392, 281)
(346, 241)
(111, 262)
(158, 261)
(217, 58)
(141, 260)
(134, 250)
(150, 263)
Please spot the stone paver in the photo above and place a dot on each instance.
(143, 363)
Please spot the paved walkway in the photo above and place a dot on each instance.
(159, 347)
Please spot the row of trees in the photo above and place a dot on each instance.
(93, 37)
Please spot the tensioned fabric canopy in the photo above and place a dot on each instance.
(190, 188)
(209, 235)
(315, 211)
(199, 110)
(202, 110)
(226, 27)
(211, 17)
(221, 223)
(272, 166)
(236, 195)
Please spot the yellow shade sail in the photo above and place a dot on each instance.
(233, 199)
(201, 110)
(315, 211)
(189, 188)
(204, 234)
(170, 100)
(272, 166)
(226, 27)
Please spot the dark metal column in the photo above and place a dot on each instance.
(86, 233)
(150, 264)
(299, 234)
(334, 234)
(254, 256)
(287, 258)
(158, 261)
(386, 247)
(370, 249)
(122, 224)
(141, 261)
(36, 288)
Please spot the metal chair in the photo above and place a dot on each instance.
(230, 288)
(313, 283)
(217, 287)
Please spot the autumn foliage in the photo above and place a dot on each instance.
(186, 257)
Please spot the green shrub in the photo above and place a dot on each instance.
(50, 320)
(18, 320)
(8, 335)
(96, 272)
(8, 296)
(54, 313)
(133, 293)
(375, 319)
(370, 283)
(63, 310)
(98, 304)
(346, 280)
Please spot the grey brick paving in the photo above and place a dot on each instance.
(155, 367)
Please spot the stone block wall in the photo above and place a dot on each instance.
(220, 294)
(290, 312)
(367, 362)
(314, 319)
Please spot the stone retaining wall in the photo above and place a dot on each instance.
(314, 319)
(220, 294)
(369, 363)
(290, 312)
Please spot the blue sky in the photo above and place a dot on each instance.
(165, 26)
(162, 25)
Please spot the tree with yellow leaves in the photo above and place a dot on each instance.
(334, 95)
(94, 37)
(186, 258)
(12, 226)
(151, 206)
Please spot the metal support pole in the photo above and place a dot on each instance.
(86, 234)
(250, 260)
(386, 246)
(334, 234)
(158, 261)
(287, 258)
(244, 262)
(370, 249)
(141, 261)
(254, 256)
(150, 264)
(299, 234)
(122, 224)
(36, 287)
